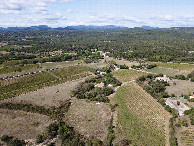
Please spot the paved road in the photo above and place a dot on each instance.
(181, 108)
(124, 84)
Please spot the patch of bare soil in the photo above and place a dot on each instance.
(22, 125)
(50, 96)
(179, 87)
(89, 118)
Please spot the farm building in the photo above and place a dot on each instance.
(191, 97)
(164, 78)
(102, 73)
(100, 85)
(110, 85)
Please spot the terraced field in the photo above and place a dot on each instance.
(126, 75)
(140, 119)
(40, 80)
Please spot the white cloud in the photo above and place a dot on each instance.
(69, 10)
(63, 1)
(19, 6)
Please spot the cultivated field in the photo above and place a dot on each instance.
(47, 97)
(168, 71)
(16, 68)
(140, 119)
(187, 136)
(122, 62)
(40, 80)
(49, 65)
(126, 75)
(179, 66)
(181, 87)
(89, 118)
(96, 65)
(22, 125)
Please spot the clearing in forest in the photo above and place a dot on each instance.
(140, 119)
(126, 75)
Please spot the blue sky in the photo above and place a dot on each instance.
(130, 13)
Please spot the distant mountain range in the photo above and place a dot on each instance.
(91, 27)
(79, 27)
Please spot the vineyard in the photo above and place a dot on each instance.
(140, 119)
(40, 80)
(187, 136)
(17, 68)
(188, 67)
(127, 75)
(168, 71)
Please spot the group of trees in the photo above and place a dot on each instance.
(88, 91)
(154, 88)
(10, 141)
(131, 44)
(191, 114)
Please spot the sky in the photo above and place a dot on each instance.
(128, 13)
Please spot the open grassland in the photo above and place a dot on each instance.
(89, 118)
(126, 75)
(168, 71)
(179, 87)
(40, 80)
(17, 68)
(49, 65)
(188, 67)
(22, 125)
(140, 119)
(187, 136)
(47, 97)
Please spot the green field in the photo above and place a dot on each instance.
(16, 68)
(40, 80)
(60, 64)
(188, 67)
(126, 75)
(168, 71)
(140, 119)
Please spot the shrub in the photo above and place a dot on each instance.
(39, 138)
(6, 138)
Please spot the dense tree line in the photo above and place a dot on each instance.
(153, 45)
